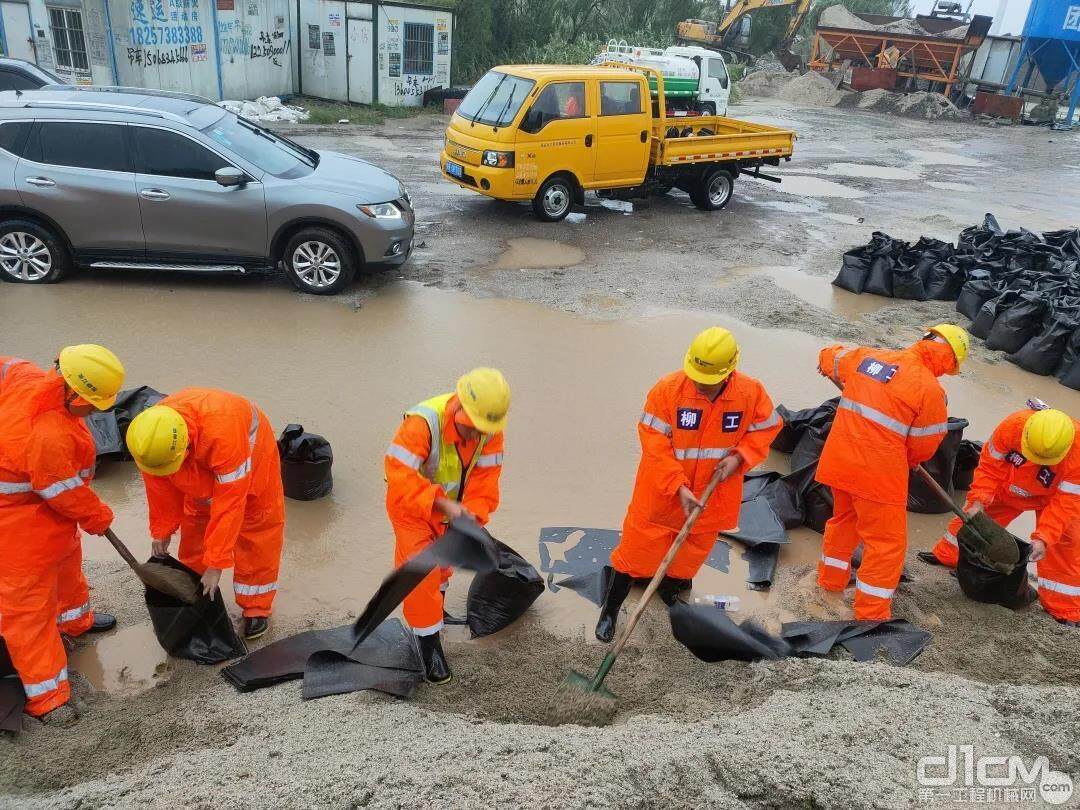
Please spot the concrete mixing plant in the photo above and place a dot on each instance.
(1051, 45)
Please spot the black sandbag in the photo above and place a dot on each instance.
(108, 444)
(201, 632)
(796, 423)
(944, 281)
(758, 523)
(1068, 373)
(306, 464)
(1043, 353)
(1018, 324)
(814, 499)
(967, 459)
(879, 281)
(979, 288)
(711, 635)
(907, 281)
(809, 448)
(981, 583)
(498, 598)
(12, 695)
(988, 313)
(941, 466)
(853, 271)
(464, 545)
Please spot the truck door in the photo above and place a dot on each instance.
(557, 133)
(623, 128)
(714, 88)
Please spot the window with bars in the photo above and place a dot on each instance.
(69, 43)
(419, 48)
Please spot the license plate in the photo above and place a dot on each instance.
(454, 170)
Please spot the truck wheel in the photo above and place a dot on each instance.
(713, 191)
(708, 108)
(554, 199)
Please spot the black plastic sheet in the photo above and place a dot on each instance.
(941, 466)
(498, 598)
(200, 632)
(762, 559)
(12, 695)
(306, 464)
(797, 423)
(898, 639)
(711, 635)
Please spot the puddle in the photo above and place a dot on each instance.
(871, 170)
(348, 374)
(815, 290)
(789, 207)
(538, 254)
(943, 158)
(126, 661)
(812, 187)
(951, 186)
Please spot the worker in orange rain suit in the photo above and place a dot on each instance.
(1032, 463)
(14, 371)
(707, 415)
(211, 469)
(444, 462)
(892, 415)
(46, 463)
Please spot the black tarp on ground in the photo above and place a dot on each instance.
(498, 598)
(711, 635)
(306, 464)
(200, 632)
(898, 639)
(109, 428)
(12, 696)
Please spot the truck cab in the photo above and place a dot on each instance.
(714, 83)
(547, 133)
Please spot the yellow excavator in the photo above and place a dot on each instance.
(732, 33)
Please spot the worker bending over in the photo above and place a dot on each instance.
(444, 462)
(46, 463)
(704, 417)
(1032, 464)
(892, 416)
(211, 469)
(14, 371)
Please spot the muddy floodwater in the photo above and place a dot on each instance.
(348, 373)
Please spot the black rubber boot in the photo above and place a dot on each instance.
(617, 590)
(929, 558)
(670, 588)
(435, 665)
(255, 626)
(103, 623)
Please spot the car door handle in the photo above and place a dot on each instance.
(154, 194)
(588, 140)
(644, 135)
(44, 182)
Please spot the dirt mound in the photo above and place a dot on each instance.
(765, 82)
(921, 105)
(811, 89)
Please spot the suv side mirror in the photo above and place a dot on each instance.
(229, 176)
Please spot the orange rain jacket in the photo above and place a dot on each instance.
(14, 371)
(46, 463)
(232, 466)
(1004, 474)
(683, 437)
(892, 416)
(410, 497)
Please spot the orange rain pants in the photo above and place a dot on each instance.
(410, 499)
(683, 436)
(882, 528)
(46, 463)
(227, 499)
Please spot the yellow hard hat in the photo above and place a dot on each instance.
(485, 396)
(1048, 437)
(956, 337)
(158, 440)
(92, 372)
(712, 356)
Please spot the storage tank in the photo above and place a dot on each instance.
(1051, 44)
(681, 74)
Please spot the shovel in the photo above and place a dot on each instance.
(575, 681)
(999, 550)
(169, 581)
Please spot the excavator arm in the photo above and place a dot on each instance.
(716, 34)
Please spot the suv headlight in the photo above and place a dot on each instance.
(501, 160)
(381, 210)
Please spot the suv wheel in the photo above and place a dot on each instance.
(320, 262)
(30, 254)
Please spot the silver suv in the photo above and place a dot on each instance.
(141, 179)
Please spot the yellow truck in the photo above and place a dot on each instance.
(548, 133)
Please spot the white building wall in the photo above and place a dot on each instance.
(396, 86)
(255, 39)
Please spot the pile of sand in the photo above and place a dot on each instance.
(812, 89)
(840, 17)
(921, 105)
(764, 82)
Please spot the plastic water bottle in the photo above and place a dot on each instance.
(728, 603)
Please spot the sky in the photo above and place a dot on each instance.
(1013, 19)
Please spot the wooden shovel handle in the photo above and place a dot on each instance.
(129, 558)
(665, 563)
(941, 493)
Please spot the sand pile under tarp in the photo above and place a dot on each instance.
(840, 17)
(922, 105)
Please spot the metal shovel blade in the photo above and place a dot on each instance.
(576, 682)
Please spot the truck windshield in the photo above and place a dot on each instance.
(495, 99)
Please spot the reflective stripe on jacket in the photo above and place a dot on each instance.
(684, 436)
(428, 458)
(232, 469)
(892, 415)
(1005, 475)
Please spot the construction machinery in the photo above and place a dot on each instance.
(732, 33)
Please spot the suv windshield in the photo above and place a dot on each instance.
(260, 147)
(495, 99)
